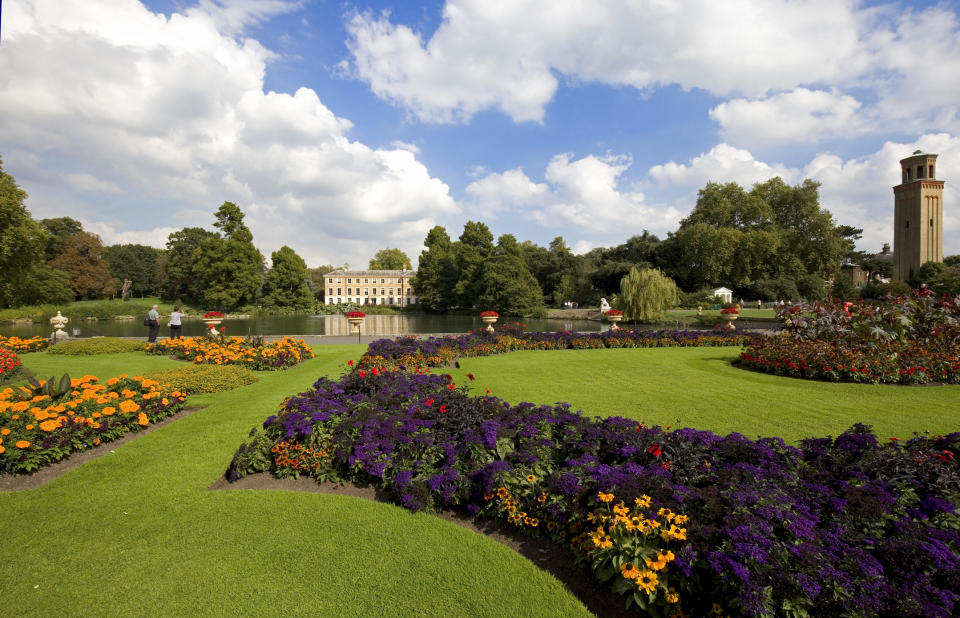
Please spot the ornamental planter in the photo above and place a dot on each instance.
(212, 321)
(489, 318)
(356, 319)
(730, 317)
(613, 318)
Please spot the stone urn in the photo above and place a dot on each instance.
(613, 316)
(730, 318)
(489, 318)
(59, 321)
(356, 319)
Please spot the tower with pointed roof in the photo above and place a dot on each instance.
(917, 215)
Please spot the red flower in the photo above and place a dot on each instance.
(362, 373)
(443, 409)
(655, 450)
(894, 439)
(470, 375)
(428, 402)
(349, 363)
(356, 314)
(451, 386)
(489, 314)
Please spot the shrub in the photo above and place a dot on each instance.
(682, 520)
(22, 346)
(204, 378)
(98, 345)
(39, 430)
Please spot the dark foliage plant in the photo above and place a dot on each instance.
(835, 526)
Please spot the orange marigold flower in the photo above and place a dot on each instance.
(2, 449)
(49, 425)
(112, 381)
(23, 443)
(142, 419)
(30, 427)
(108, 411)
(4, 432)
(127, 406)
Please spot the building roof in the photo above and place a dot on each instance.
(370, 273)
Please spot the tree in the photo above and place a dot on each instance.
(229, 269)
(44, 285)
(317, 282)
(82, 259)
(507, 285)
(138, 263)
(60, 230)
(21, 239)
(437, 273)
(473, 249)
(844, 289)
(646, 294)
(390, 259)
(180, 275)
(285, 284)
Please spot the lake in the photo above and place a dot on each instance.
(335, 325)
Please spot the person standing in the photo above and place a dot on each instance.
(176, 327)
(153, 321)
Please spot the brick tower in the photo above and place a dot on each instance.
(917, 216)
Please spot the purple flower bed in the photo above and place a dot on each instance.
(843, 526)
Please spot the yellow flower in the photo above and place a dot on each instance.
(602, 497)
(671, 596)
(531, 478)
(655, 565)
(647, 581)
(629, 570)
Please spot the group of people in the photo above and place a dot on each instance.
(174, 322)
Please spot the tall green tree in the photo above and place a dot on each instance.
(474, 247)
(82, 259)
(646, 294)
(317, 283)
(230, 269)
(390, 259)
(138, 263)
(436, 278)
(60, 229)
(285, 284)
(507, 285)
(180, 276)
(22, 239)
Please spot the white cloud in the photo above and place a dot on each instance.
(583, 194)
(723, 163)
(801, 115)
(157, 237)
(174, 111)
(505, 56)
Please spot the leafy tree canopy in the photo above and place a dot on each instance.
(285, 284)
(138, 263)
(22, 239)
(82, 259)
(390, 259)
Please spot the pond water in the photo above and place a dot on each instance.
(335, 325)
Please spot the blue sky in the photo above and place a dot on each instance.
(341, 128)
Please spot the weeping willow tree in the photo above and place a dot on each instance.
(646, 294)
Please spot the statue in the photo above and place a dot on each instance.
(59, 321)
(604, 305)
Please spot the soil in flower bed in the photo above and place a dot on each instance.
(18, 482)
(541, 551)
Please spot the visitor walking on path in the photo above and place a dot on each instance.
(175, 326)
(153, 321)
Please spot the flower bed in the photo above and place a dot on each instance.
(912, 340)
(212, 315)
(683, 520)
(39, 430)
(356, 314)
(252, 353)
(415, 353)
(21, 346)
(10, 365)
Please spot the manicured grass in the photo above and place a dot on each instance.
(698, 387)
(136, 532)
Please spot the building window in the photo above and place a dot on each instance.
(330, 280)
(908, 175)
(408, 291)
(383, 281)
(391, 300)
(919, 172)
(339, 280)
(391, 289)
(330, 292)
(349, 290)
(366, 291)
(907, 225)
(365, 281)
(382, 292)
(339, 293)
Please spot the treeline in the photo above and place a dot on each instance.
(771, 242)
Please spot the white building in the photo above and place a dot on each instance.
(370, 287)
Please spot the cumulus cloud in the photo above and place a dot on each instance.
(784, 62)
(801, 115)
(723, 163)
(489, 55)
(173, 110)
(581, 193)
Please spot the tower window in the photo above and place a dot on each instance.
(931, 222)
(919, 172)
(908, 224)
(908, 175)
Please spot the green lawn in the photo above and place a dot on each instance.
(136, 532)
(698, 387)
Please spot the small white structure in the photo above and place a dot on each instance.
(725, 293)
(59, 321)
